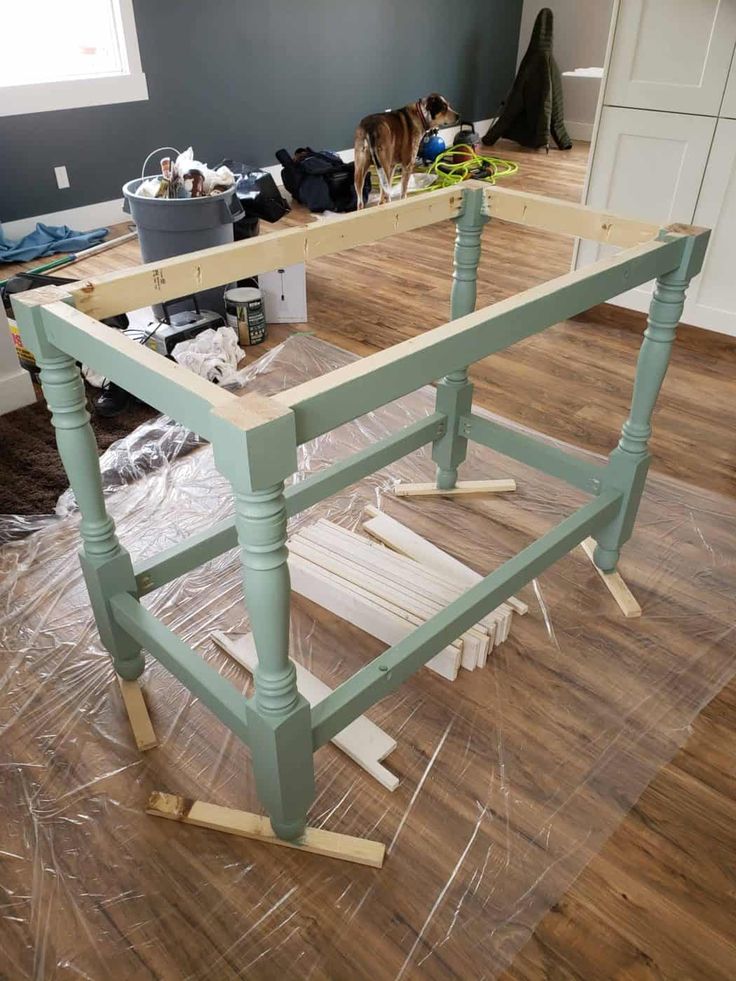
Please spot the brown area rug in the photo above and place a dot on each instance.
(31, 474)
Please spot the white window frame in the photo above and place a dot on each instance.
(16, 100)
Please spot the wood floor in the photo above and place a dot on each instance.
(649, 905)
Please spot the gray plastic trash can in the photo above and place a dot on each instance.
(168, 227)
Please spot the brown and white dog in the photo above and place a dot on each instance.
(391, 138)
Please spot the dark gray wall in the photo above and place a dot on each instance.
(242, 78)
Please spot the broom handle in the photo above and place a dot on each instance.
(68, 260)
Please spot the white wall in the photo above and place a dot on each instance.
(16, 389)
(581, 30)
(581, 35)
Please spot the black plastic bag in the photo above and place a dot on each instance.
(257, 192)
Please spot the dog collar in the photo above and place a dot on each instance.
(423, 118)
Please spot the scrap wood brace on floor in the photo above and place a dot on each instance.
(255, 440)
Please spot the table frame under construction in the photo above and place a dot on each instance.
(255, 439)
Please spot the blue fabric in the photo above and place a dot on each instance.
(48, 239)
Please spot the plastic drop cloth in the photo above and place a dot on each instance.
(512, 777)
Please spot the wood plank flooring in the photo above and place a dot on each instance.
(659, 901)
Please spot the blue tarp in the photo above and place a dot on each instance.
(48, 239)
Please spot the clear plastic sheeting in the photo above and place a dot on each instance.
(512, 777)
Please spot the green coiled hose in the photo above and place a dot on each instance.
(448, 172)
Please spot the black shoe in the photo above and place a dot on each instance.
(111, 401)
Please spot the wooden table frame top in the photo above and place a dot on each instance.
(255, 440)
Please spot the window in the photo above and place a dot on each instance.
(64, 54)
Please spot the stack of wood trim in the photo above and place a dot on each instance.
(389, 594)
(391, 532)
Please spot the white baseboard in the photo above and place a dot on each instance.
(85, 218)
(579, 131)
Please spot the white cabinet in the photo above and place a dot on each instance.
(711, 299)
(728, 108)
(644, 161)
(643, 166)
(665, 147)
(671, 55)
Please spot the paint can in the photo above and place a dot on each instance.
(245, 313)
(25, 356)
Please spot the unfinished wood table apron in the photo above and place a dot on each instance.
(255, 440)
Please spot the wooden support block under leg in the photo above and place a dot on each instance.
(140, 721)
(257, 826)
(462, 487)
(616, 586)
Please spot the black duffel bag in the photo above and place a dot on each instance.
(320, 180)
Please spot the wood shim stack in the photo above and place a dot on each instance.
(388, 594)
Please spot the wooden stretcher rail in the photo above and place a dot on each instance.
(182, 275)
(168, 279)
(566, 218)
(349, 392)
(363, 463)
(389, 670)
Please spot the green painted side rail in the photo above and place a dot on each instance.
(175, 561)
(350, 392)
(359, 465)
(203, 681)
(160, 382)
(154, 572)
(391, 669)
(533, 452)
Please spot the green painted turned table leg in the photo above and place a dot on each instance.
(629, 462)
(454, 391)
(106, 565)
(279, 718)
(256, 460)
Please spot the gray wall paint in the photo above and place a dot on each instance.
(242, 78)
(581, 30)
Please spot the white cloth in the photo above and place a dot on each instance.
(213, 354)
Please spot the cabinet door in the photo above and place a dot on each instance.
(646, 165)
(672, 55)
(729, 99)
(711, 300)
